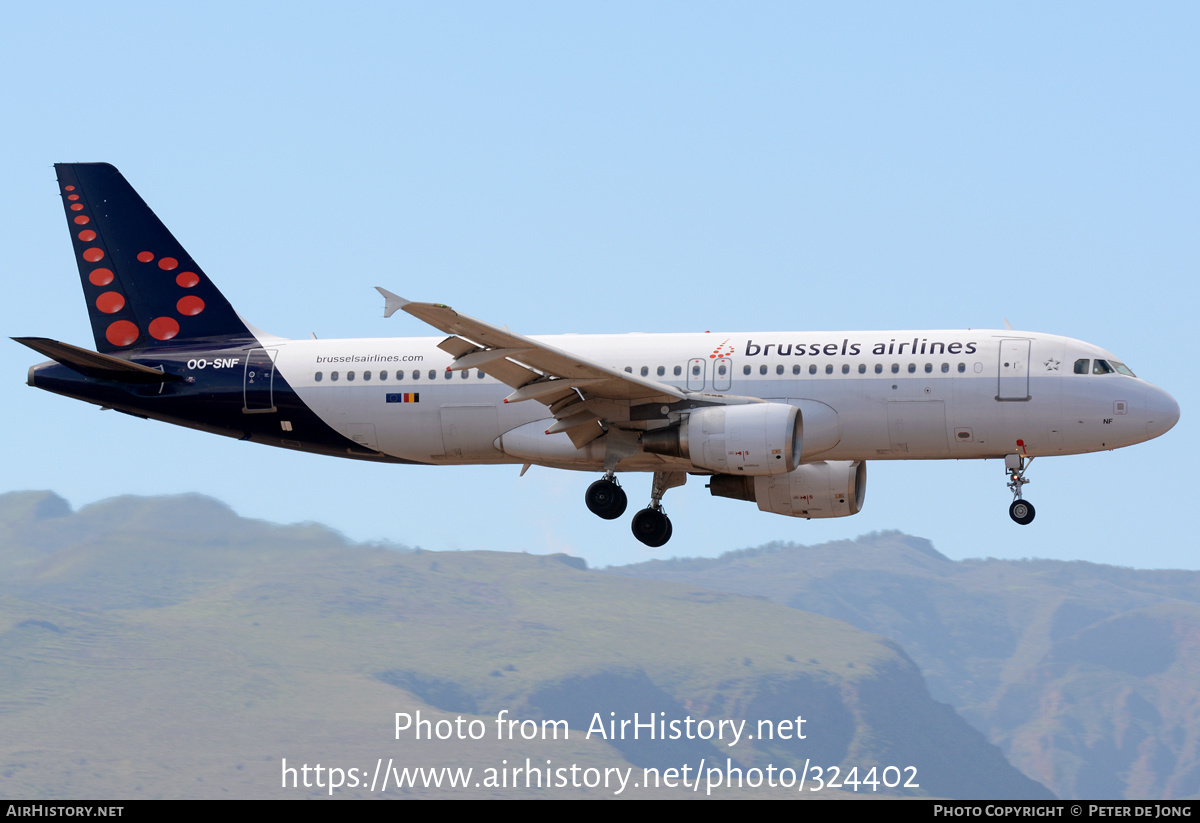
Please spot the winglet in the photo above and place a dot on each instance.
(1008, 325)
(392, 302)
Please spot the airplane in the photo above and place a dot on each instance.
(785, 420)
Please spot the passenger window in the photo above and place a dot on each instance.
(333, 376)
(779, 369)
(962, 367)
(349, 375)
(720, 370)
(829, 368)
(845, 368)
(1081, 366)
(629, 369)
(448, 374)
(929, 368)
(432, 374)
(645, 371)
(318, 377)
(796, 369)
(879, 368)
(812, 369)
(661, 371)
(761, 370)
(945, 368)
(383, 375)
(400, 375)
(466, 373)
(895, 368)
(679, 370)
(745, 370)
(912, 367)
(479, 374)
(416, 375)
(366, 375)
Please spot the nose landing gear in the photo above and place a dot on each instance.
(1021, 511)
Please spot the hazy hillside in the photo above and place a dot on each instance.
(164, 647)
(1086, 675)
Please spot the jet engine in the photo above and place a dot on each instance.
(754, 439)
(833, 488)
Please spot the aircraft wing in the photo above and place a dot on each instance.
(579, 392)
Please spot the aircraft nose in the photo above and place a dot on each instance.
(1163, 413)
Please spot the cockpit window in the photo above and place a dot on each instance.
(1101, 367)
(1122, 368)
(1081, 366)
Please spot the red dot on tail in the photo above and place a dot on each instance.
(121, 333)
(72, 196)
(87, 235)
(163, 328)
(190, 305)
(76, 207)
(93, 255)
(110, 302)
(187, 279)
(70, 188)
(101, 277)
(82, 219)
(168, 263)
(145, 256)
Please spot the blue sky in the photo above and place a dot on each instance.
(626, 167)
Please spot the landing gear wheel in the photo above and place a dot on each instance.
(606, 499)
(1021, 511)
(652, 527)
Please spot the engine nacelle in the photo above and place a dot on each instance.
(827, 489)
(754, 439)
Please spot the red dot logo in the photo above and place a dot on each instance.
(145, 256)
(168, 263)
(70, 188)
(101, 277)
(163, 328)
(93, 255)
(121, 333)
(87, 235)
(72, 196)
(110, 302)
(187, 279)
(190, 305)
(82, 220)
(76, 207)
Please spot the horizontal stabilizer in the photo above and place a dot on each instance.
(93, 364)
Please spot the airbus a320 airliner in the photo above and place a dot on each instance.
(786, 420)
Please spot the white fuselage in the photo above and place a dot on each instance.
(878, 395)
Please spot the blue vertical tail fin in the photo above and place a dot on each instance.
(143, 289)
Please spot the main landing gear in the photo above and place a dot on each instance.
(605, 498)
(651, 525)
(1021, 511)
